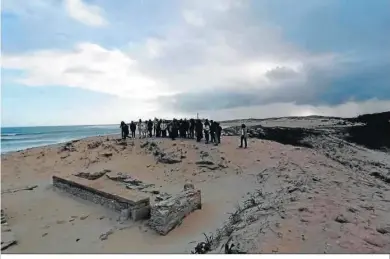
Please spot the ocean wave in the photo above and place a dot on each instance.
(101, 127)
(9, 134)
(21, 134)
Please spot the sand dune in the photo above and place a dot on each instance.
(324, 197)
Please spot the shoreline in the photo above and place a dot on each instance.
(55, 144)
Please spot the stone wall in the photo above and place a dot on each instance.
(127, 208)
(167, 214)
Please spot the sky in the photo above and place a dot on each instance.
(82, 62)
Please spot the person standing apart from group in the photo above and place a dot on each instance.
(244, 135)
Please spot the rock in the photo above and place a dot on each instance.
(341, 219)
(91, 176)
(167, 214)
(168, 160)
(107, 154)
(353, 210)
(375, 241)
(117, 176)
(303, 209)
(385, 229)
(143, 145)
(104, 236)
(68, 147)
(189, 186)
(94, 145)
(7, 240)
(84, 217)
(44, 234)
(204, 162)
(162, 196)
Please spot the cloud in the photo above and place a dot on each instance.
(88, 66)
(85, 13)
(193, 18)
(218, 57)
(348, 109)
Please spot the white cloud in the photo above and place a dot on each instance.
(193, 18)
(88, 66)
(88, 14)
(216, 47)
(349, 109)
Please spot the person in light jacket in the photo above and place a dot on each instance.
(164, 127)
(207, 130)
(144, 129)
(244, 135)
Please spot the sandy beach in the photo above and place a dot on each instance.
(310, 202)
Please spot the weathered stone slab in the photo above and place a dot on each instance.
(7, 236)
(108, 194)
(167, 214)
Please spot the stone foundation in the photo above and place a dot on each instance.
(134, 209)
(167, 214)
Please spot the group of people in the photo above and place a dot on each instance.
(183, 128)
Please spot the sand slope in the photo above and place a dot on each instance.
(284, 198)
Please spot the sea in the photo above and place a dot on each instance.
(20, 138)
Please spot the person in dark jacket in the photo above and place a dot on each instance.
(133, 127)
(244, 135)
(150, 128)
(125, 130)
(181, 128)
(218, 132)
(199, 130)
(158, 128)
(122, 127)
(174, 129)
(213, 128)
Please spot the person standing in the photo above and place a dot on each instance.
(139, 128)
(192, 128)
(199, 130)
(150, 128)
(145, 129)
(213, 129)
(174, 129)
(244, 135)
(207, 130)
(158, 128)
(122, 127)
(132, 129)
(218, 132)
(164, 129)
(125, 131)
(155, 127)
